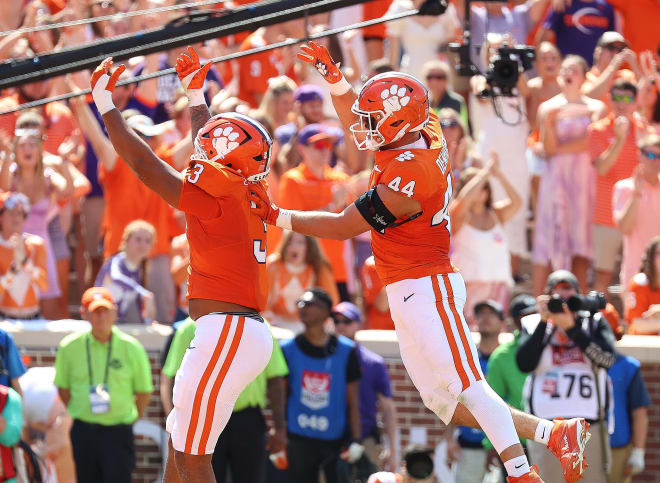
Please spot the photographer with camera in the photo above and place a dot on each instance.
(567, 348)
(417, 467)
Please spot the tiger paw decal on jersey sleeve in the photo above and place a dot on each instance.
(405, 156)
(224, 140)
(394, 98)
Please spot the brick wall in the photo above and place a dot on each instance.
(410, 411)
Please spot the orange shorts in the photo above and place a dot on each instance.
(226, 354)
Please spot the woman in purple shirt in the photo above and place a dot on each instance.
(124, 274)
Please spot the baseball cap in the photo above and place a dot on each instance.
(29, 118)
(559, 276)
(308, 92)
(96, 297)
(312, 133)
(522, 304)
(12, 199)
(611, 37)
(491, 304)
(315, 296)
(348, 310)
(145, 125)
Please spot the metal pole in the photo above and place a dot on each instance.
(215, 60)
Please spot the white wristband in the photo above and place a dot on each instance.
(284, 219)
(340, 88)
(103, 101)
(195, 97)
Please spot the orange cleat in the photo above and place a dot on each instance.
(531, 477)
(568, 440)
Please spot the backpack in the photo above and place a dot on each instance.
(6, 453)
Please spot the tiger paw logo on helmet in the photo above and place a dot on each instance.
(224, 140)
(405, 156)
(394, 98)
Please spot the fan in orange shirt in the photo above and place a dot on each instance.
(298, 264)
(643, 297)
(375, 298)
(611, 55)
(255, 70)
(22, 261)
(180, 256)
(314, 185)
(227, 282)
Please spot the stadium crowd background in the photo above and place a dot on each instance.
(562, 174)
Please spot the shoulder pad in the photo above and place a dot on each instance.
(215, 179)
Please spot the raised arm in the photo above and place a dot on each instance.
(148, 90)
(192, 75)
(101, 145)
(336, 226)
(459, 207)
(537, 9)
(149, 168)
(605, 161)
(343, 95)
(506, 208)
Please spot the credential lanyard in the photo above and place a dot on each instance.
(89, 361)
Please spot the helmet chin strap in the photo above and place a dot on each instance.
(401, 132)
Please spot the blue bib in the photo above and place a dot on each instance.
(316, 407)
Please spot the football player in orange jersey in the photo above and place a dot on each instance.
(406, 207)
(227, 285)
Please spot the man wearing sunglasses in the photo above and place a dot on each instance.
(613, 59)
(613, 149)
(436, 74)
(636, 206)
(322, 410)
(314, 185)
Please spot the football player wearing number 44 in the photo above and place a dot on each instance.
(406, 209)
(227, 286)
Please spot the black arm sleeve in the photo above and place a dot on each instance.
(599, 346)
(353, 371)
(530, 348)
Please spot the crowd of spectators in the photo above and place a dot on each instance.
(562, 174)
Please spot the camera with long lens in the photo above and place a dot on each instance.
(504, 70)
(592, 302)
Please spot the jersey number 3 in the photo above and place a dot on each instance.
(259, 248)
(195, 173)
(443, 215)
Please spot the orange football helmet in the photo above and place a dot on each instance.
(237, 142)
(389, 105)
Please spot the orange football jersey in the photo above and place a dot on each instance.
(419, 247)
(227, 240)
